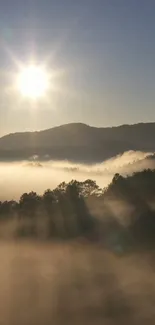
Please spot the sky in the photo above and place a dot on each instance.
(103, 53)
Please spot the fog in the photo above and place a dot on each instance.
(26, 176)
(74, 284)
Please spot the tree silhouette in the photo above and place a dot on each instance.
(29, 206)
(64, 212)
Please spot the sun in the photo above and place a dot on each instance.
(33, 81)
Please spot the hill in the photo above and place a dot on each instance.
(78, 142)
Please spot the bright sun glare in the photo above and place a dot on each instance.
(33, 82)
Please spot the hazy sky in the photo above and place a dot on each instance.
(103, 49)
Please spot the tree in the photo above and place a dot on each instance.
(29, 205)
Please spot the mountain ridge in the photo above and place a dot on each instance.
(82, 124)
(79, 141)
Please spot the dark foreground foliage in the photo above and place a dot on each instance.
(121, 215)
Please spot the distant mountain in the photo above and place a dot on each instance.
(78, 142)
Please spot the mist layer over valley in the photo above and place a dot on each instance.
(33, 175)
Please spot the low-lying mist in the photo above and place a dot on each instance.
(74, 284)
(19, 177)
(105, 279)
